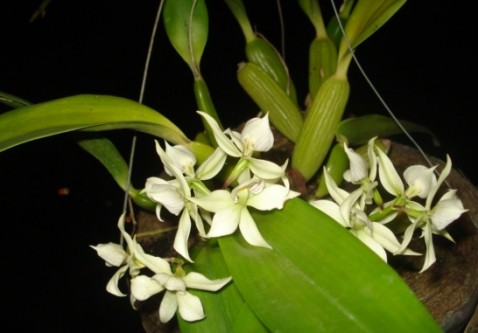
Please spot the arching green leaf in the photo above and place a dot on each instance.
(83, 112)
(320, 278)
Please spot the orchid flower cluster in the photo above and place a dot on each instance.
(364, 212)
(253, 182)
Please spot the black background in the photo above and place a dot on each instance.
(422, 62)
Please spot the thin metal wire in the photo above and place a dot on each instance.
(375, 91)
(282, 28)
(140, 100)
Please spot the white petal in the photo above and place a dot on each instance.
(450, 194)
(265, 169)
(443, 175)
(158, 212)
(420, 179)
(407, 237)
(358, 166)
(153, 181)
(371, 243)
(198, 281)
(168, 196)
(168, 307)
(211, 167)
(112, 253)
(215, 201)
(387, 239)
(182, 235)
(249, 230)
(190, 307)
(225, 221)
(112, 286)
(372, 159)
(335, 192)
(179, 181)
(348, 204)
(143, 287)
(444, 234)
(170, 282)
(182, 158)
(236, 139)
(222, 140)
(389, 177)
(446, 211)
(154, 263)
(331, 209)
(196, 216)
(169, 165)
(258, 134)
(430, 257)
(269, 198)
(126, 236)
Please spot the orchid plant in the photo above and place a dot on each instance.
(255, 249)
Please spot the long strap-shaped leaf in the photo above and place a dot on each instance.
(225, 310)
(319, 278)
(83, 112)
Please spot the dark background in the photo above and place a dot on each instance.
(422, 62)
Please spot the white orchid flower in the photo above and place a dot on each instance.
(420, 179)
(175, 195)
(176, 296)
(348, 212)
(231, 208)
(361, 169)
(181, 157)
(115, 255)
(362, 172)
(432, 220)
(256, 136)
(184, 160)
(176, 200)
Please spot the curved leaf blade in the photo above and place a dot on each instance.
(187, 23)
(12, 101)
(359, 130)
(106, 153)
(225, 309)
(366, 18)
(83, 112)
(320, 278)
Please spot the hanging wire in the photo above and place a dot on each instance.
(282, 28)
(375, 91)
(140, 100)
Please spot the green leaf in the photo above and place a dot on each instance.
(225, 309)
(12, 101)
(107, 154)
(246, 321)
(359, 130)
(320, 278)
(84, 112)
(186, 23)
(367, 17)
